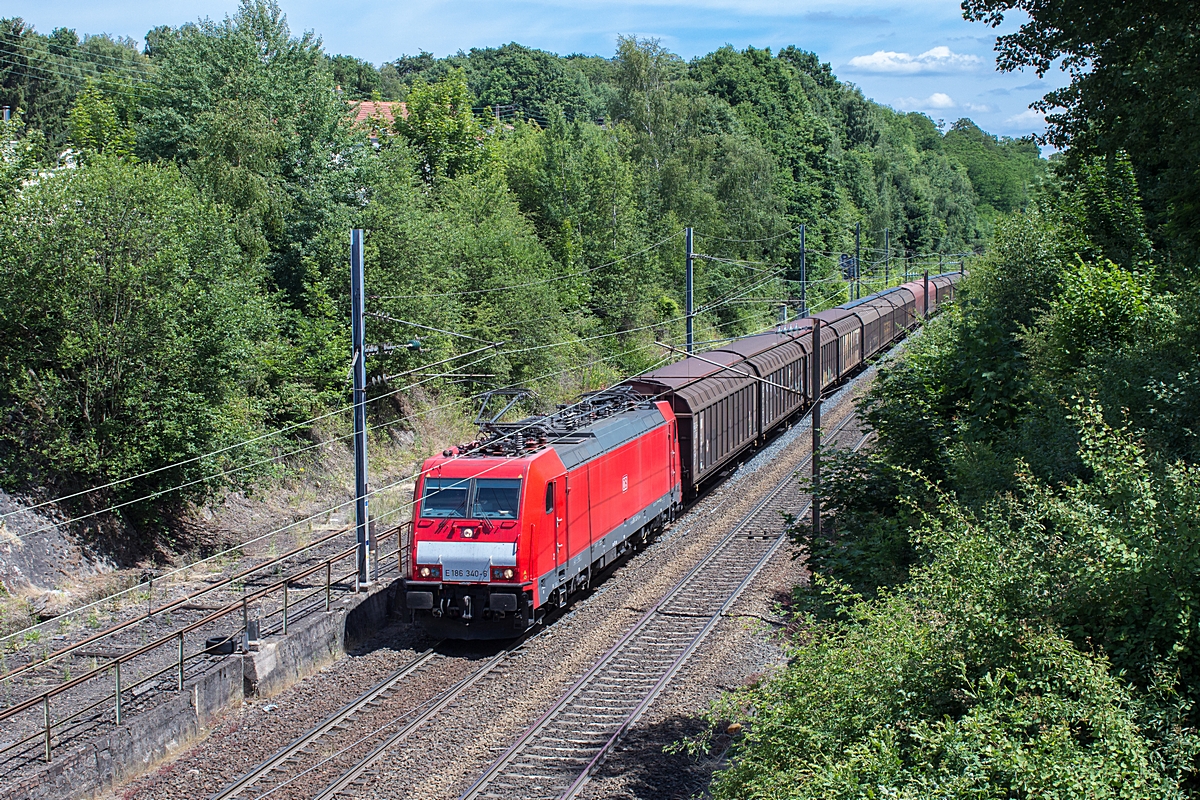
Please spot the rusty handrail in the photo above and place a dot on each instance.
(95, 637)
(402, 554)
(236, 605)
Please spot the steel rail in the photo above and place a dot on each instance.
(632, 718)
(498, 766)
(289, 751)
(171, 606)
(448, 697)
(175, 667)
(46, 731)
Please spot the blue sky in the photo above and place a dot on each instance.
(919, 55)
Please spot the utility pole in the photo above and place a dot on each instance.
(803, 276)
(857, 262)
(941, 268)
(688, 292)
(816, 425)
(926, 294)
(357, 309)
(887, 258)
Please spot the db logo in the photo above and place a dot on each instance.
(624, 483)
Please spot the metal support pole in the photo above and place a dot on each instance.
(328, 584)
(46, 722)
(118, 665)
(357, 314)
(150, 598)
(926, 293)
(857, 262)
(374, 552)
(179, 677)
(941, 268)
(816, 426)
(887, 257)
(689, 287)
(245, 618)
(803, 276)
(285, 606)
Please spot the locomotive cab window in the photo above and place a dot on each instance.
(496, 498)
(445, 497)
(550, 497)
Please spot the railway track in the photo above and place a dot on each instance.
(556, 755)
(386, 711)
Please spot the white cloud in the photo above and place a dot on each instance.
(1027, 117)
(937, 59)
(978, 109)
(935, 100)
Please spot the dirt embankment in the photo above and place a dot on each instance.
(48, 566)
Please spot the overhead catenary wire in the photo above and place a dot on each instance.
(329, 510)
(237, 445)
(378, 490)
(750, 241)
(81, 55)
(78, 80)
(377, 315)
(564, 276)
(160, 493)
(291, 427)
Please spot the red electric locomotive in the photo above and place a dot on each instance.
(512, 526)
(509, 527)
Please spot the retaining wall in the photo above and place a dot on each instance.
(142, 741)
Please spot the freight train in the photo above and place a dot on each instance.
(512, 526)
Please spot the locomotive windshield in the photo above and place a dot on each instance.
(491, 498)
(445, 497)
(496, 498)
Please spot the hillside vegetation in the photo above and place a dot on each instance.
(1004, 602)
(173, 247)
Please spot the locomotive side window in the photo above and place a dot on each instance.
(550, 497)
(445, 497)
(496, 498)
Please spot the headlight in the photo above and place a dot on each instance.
(468, 533)
(503, 573)
(433, 572)
(424, 572)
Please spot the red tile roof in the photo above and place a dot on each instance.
(366, 111)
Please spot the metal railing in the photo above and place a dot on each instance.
(177, 639)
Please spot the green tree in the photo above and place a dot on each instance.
(1134, 68)
(94, 127)
(441, 128)
(20, 152)
(251, 113)
(136, 334)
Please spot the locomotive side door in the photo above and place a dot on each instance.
(556, 516)
(671, 454)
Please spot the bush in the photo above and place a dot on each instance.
(136, 334)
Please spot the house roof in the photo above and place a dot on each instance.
(366, 111)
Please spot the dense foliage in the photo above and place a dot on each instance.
(517, 197)
(1134, 70)
(1003, 602)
